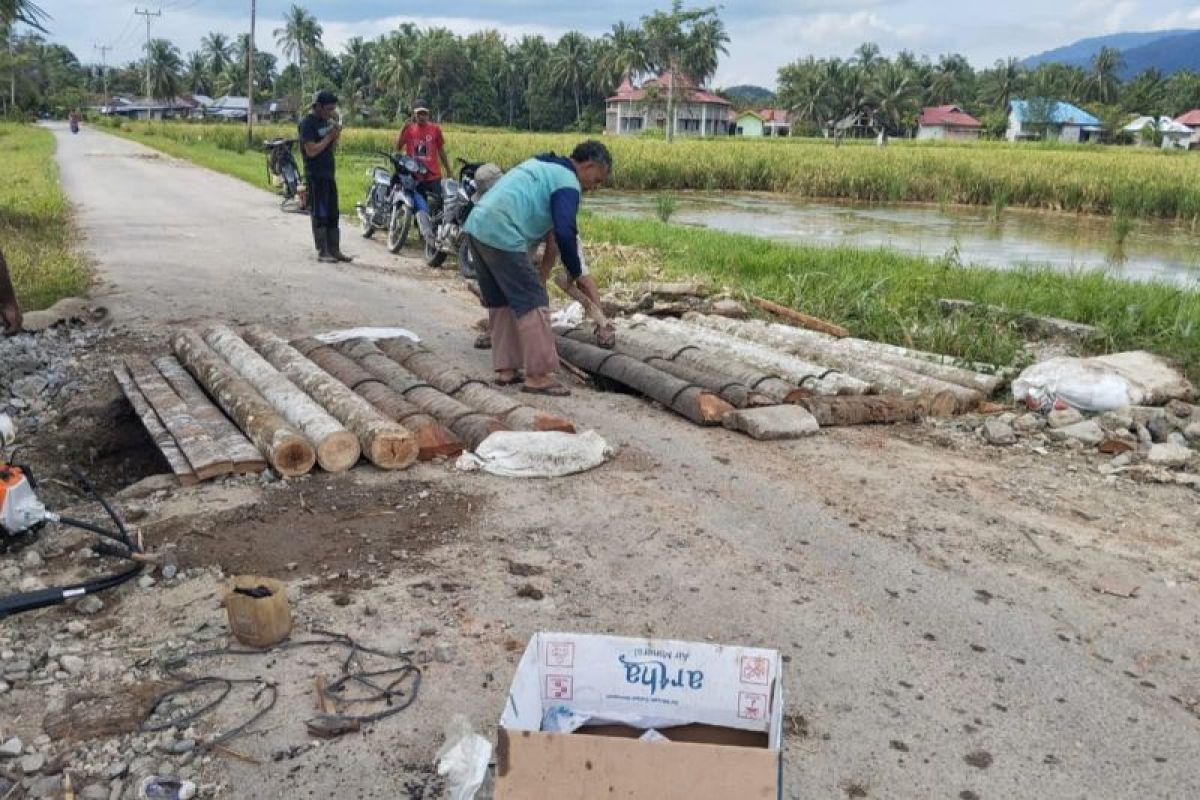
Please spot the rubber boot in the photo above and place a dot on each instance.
(321, 238)
(335, 244)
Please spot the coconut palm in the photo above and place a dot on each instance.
(1104, 81)
(396, 67)
(947, 79)
(569, 65)
(894, 95)
(625, 54)
(867, 55)
(164, 66)
(299, 36)
(705, 45)
(216, 48)
(1001, 82)
(23, 11)
(196, 75)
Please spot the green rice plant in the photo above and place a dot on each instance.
(664, 206)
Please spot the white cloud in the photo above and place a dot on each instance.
(1185, 18)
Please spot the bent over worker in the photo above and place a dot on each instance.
(537, 197)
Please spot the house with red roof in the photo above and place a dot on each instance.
(635, 109)
(776, 121)
(947, 122)
(1192, 120)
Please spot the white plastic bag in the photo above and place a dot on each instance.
(568, 318)
(463, 759)
(1103, 383)
(373, 334)
(536, 454)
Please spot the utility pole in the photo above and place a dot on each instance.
(104, 48)
(250, 79)
(147, 13)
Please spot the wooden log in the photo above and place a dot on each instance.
(285, 448)
(475, 393)
(433, 440)
(891, 379)
(676, 351)
(697, 404)
(730, 390)
(803, 320)
(153, 425)
(469, 425)
(672, 289)
(337, 448)
(816, 378)
(385, 443)
(207, 459)
(241, 451)
(875, 409)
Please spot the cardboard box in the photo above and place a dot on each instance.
(720, 707)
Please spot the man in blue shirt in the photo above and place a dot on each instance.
(536, 198)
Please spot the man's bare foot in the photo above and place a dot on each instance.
(507, 377)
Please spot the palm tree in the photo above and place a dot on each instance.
(1001, 83)
(569, 65)
(164, 65)
(23, 11)
(396, 67)
(625, 55)
(867, 55)
(215, 49)
(356, 70)
(196, 74)
(706, 42)
(1104, 81)
(947, 78)
(299, 36)
(893, 91)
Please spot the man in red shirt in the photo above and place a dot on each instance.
(422, 139)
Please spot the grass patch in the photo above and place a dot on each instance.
(36, 230)
(878, 294)
(1138, 182)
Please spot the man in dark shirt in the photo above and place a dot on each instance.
(319, 133)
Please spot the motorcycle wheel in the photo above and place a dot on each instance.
(466, 261)
(433, 256)
(398, 227)
(366, 227)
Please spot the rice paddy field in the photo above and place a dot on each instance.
(1121, 181)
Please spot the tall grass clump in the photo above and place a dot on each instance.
(664, 206)
(36, 229)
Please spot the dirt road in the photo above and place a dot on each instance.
(932, 596)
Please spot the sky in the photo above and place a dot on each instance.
(765, 34)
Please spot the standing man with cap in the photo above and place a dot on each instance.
(536, 198)
(319, 133)
(422, 139)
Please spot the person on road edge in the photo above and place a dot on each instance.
(537, 197)
(422, 139)
(319, 134)
(10, 309)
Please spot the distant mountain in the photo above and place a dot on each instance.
(1170, 51)
(747, 95)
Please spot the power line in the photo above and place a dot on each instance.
(147, 13)
(124, 31)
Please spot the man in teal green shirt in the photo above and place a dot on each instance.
(537, 198)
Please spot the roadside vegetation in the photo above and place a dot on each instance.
(1125, 182)
(878, 294)
(36, 230)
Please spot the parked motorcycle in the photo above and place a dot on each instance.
(281, 166)
(393, 201)
(446, 236)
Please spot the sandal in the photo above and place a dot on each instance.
(509, 381)
(553, 390)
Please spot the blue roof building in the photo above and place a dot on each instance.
(1051, 120)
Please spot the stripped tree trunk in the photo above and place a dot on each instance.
(241, 451)
(816, 378)
(682, 354)
(337, 448)
(697, 404)
(890, 378)
(868, 410)
(432, 439)
(283, 446)
(469, 425)
(194, 441)
(384, 443)
(475, 393)
(153, 425)
(803, 320)
(730, 390)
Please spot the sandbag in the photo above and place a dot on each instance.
(1103, 383)
(536, 454)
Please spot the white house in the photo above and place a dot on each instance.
(634, 109)
(1174, 135)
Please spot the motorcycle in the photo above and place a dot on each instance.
(392, 200)
(281, 166)
(446, 235)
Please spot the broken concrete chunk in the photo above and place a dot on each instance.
(772, 422)
(1062, 417)
(1029, 423)
(1170, 455)
(998, 433)
(1120, 419)
(1192, 432)
(1087, 432)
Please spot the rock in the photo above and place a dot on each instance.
(89, 604)
(117, 769)
(4, 687)
(47, 787)
(146, 582)
(95, 791)
(12, 748)
(1119, 442)
(1170, 455)
(1062, 417)
(72, 665)
(1122, 460)
(1178, 438)
(1120, 419)
(1087, 432)
(729, 308)
(116, 790)
(1160, 428)
(998, 433)
(443, 652)
(772, 422)
(1179, 409)
(183, 746)
(77, 627)
(1192, 432)
(31, 559)
(29, 387)
(1144, 438)
(32, 763)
